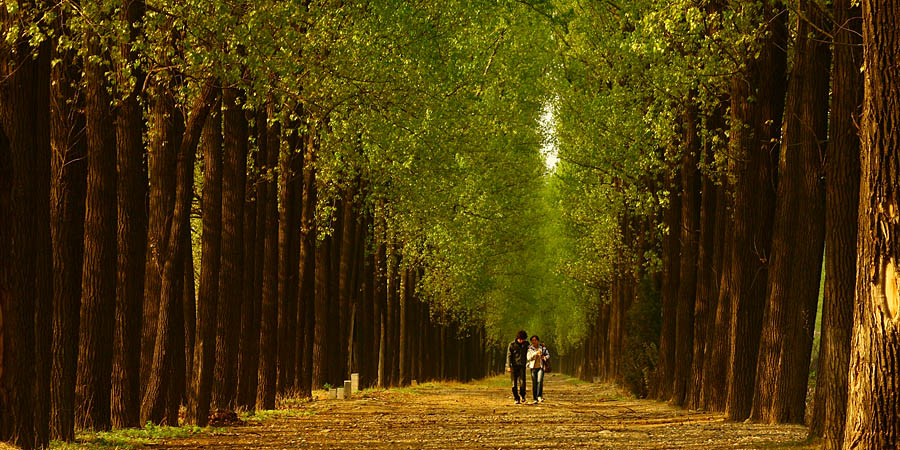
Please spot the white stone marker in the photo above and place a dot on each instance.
(354, 382)
(348, 389)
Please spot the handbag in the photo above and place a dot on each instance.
(546, 363)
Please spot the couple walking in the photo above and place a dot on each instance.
(521, 355)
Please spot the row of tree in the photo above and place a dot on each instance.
(211, 204)
(730, 147)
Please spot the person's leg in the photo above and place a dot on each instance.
(522, 387)
(514, 376)
(535, 387)
(539, 378)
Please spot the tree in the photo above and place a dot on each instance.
(757, 107)
(208, 300)
(234, 174)
(873, 401)
(98, 282)
(161, 398)
(24, 179)
(841, 213)
(132, 231)
(798, 235)
(69, 177)
(268, 337)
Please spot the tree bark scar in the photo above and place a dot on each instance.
(889, 287)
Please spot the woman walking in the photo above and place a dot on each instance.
(537, 362)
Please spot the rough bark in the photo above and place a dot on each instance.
(234, 173)
(671, 267)
(268, 338)
(841, 210)
(24, 179)
(690, 237)
(161, 398)
(306, 314)
(873, 405)
(798, 233)
(757, 108)
(210, 258)
(715, 366)
(69, 177)
(132, 235)
(707, 282)
(248, 367)
(164, 134)
(320, 340)
(98, 281)
(288, 261)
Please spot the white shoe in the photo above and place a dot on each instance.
(540, 399)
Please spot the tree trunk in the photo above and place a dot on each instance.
(164, 134)
(288, 261)
(403, 347)
(251, 307)
(380, 316)
(841, 212)
(24, 182)
(234, 173)
(69, 176)
(210, 258)
(798, 234)
(671, 267)
(321, 346)
(98, 281)
(715, 367)
(162, 398)
(873, 406)
(132, 246)
(757, 108)
(189, 290)
(690, 229)
(268, 338)
(306, 316)
(707, 283)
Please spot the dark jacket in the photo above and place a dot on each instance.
(517, 354)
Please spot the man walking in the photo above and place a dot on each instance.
(516, 360)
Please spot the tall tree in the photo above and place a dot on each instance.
(690, 236)
(165, 130)
(873, 421)
(98, 282)
(69, 177)
(798, 235)
(308, 230)
(671, 261)
(268, 337)
(289, 206)
(24, 180)
(159, 402)
(841, 213)
(132, 231)
(234, 173)
(208, 299)
(757, 106)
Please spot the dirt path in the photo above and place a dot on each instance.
(483, 416)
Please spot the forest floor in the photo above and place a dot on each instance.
(481, 415)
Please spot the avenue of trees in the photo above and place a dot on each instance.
(214, 204)
(211, 204)
(711, 155)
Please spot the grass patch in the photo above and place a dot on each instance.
(129, 438)
(257, 417)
